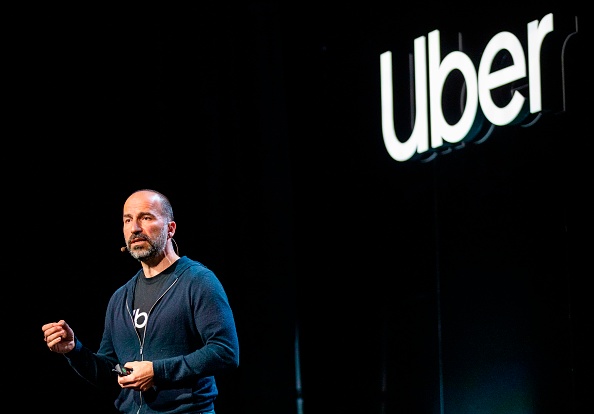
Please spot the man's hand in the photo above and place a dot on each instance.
(141, 378)
(58, 336)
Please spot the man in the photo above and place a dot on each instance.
(170, 326)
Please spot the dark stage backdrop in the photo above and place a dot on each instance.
(446, 285)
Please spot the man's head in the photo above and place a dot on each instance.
(148, 224)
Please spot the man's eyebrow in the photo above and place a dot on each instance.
(140, 214)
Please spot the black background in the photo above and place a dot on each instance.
(456, 285)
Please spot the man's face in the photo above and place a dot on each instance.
(145, 228)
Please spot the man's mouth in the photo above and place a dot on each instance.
(135, 241)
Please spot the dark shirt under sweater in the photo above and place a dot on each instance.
(146, 294)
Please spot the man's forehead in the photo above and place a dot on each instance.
(142, 203)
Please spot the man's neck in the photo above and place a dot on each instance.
(156, 265)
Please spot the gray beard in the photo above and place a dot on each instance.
(156, 246)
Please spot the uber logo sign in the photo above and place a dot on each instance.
(480, 110)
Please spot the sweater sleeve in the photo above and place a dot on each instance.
(94, 368)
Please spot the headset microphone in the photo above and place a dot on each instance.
(124, 248)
